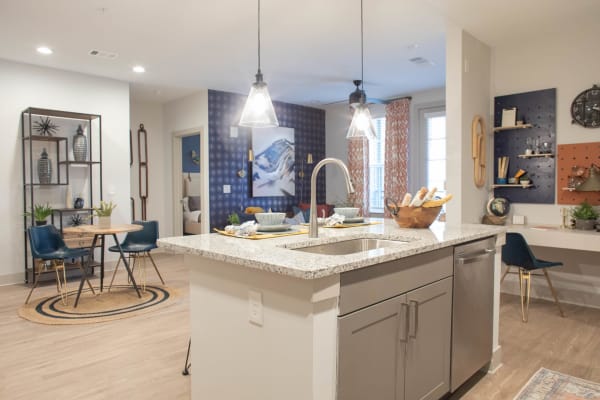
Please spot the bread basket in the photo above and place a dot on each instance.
(415, 217)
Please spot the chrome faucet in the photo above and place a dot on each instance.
(313, 228)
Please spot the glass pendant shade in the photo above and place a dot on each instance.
(362, 124)
(258, 111)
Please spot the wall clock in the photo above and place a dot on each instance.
(585, 109)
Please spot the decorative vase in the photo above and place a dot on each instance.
(80, 145)
(69, 198)
(78, 203)
(104, 222)
(40, 223)
(44, 168)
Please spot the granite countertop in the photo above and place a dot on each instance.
(276, 254)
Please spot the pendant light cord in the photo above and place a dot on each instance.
(362, 57)
(259, 36)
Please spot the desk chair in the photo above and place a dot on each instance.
(516, 253)
(138, 245)
(47, 245)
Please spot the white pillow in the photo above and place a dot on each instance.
(296, 219)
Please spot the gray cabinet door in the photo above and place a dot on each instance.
(370, 353)
(428, 349)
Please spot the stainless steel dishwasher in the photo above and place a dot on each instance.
(472, 309)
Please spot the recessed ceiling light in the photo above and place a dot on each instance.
(44, 50)
(139, 69)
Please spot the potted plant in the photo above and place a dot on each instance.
(585, 216)
(524, 180)
(233, 219)
(104, 213)
(40, 213)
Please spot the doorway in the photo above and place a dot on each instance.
(188, 183)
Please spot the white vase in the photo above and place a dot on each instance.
(104, 222)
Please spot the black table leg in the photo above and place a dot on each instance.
(102, 266)
(85, 269)
(127, 266)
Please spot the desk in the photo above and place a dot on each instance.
(554, 236)
(97, 232)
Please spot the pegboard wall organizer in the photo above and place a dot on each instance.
(537, 110)
(580, 155)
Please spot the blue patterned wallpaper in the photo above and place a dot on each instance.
(227, 155)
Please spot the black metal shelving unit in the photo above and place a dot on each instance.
(35, 192)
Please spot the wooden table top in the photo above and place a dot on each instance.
(95, 230)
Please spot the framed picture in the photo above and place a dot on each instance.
(509, 116)
(273, 166)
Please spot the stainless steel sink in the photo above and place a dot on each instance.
(350, 246)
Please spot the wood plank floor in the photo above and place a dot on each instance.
(142, 357)
(134, 358)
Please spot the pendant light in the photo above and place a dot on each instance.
(258, 111)
(362, 123)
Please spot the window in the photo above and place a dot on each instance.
(435, 159)
(376, 167)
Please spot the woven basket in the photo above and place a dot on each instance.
(416, 217)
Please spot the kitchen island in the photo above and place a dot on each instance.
(265, 316)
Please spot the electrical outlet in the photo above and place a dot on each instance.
(255, 307)
(233, 131)
(226, 188)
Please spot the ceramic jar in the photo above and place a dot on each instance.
(80, 145)
(44, 168)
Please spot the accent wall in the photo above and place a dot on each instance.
(228, 150)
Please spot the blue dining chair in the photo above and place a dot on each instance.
(46, 244)
(517, 253)
(138, 245)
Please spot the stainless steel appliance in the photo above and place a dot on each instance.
(472, 309)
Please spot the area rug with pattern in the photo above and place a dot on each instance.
(120, 302)
(546, 384)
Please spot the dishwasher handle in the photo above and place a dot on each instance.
(474, 257)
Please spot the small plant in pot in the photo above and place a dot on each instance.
(104, 212)
(40, 213)
(585, 216)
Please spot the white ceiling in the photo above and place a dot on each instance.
(310, 48)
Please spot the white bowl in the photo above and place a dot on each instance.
(272, 218)
(348, 212)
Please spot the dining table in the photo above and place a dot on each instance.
(101, 232)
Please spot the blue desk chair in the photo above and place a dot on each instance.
(47, 245)
(516, 253)
(138, 245)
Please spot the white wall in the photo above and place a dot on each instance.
(468, 65)
(568, 62)
(22, 86)
(151, 115)
(190, 112)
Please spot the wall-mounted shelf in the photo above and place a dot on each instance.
(512, 185)
(508, 128)
(546, 155)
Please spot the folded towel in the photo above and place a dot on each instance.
(246, 229)
(335, 219)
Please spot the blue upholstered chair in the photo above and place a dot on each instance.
(47, 245)
(516, 253)
(138, 245)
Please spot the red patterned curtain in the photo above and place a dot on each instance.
(396, 150)
(358, 165)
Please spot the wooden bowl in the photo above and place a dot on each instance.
(416, 217)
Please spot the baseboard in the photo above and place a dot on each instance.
(496, 361)
(12, 279)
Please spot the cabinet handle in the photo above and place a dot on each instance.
(403, 325)
(413, 313)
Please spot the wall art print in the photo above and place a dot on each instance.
(273, 166)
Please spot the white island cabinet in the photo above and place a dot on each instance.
(271, 322)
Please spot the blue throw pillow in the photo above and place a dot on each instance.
(305, 213)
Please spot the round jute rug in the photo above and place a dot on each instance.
(120, 302)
